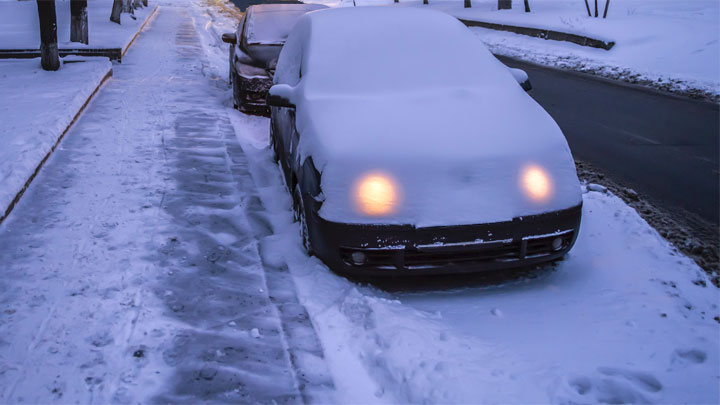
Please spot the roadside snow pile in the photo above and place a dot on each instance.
(20, 27)
(36, 107)
(668, 44)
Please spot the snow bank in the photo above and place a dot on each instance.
(36, 107)
(20, 29)
(450, 123)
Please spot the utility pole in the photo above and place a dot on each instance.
(78, 21)
(504, 4)
(49, 57)
(117, 9)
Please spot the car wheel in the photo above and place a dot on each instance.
(300, 217)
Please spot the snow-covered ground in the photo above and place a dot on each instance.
(35, 108)
(155, 259)
(20, 29)
(624, 318)
(668, 44)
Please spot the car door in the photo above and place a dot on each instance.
(282, 120)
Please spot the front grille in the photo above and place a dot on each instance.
(416, 258)
(472, 253)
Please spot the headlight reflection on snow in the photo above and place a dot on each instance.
(376, 194)
(536, 183)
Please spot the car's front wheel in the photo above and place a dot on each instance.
(299, 208)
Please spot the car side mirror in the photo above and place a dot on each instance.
(522, 78)
(229, 38)
(280, 95)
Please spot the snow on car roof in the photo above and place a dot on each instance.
(269, 24)
(375, 48)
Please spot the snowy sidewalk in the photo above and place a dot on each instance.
(130, 269)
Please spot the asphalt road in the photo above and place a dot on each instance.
(663, 146)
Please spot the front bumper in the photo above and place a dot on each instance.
(391, 250)
(251, 85)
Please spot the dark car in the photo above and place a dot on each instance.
(409, 148)
(255, 47)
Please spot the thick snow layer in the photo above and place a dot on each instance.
(449, 123)
(672, 44)
(269, 24)
(623, 319)
(20, 27)
(35, 108)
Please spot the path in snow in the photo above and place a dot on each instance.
(130, 269)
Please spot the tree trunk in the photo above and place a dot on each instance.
(78, 21)
(596, 12)
(587, 6)
(527, 6)
(145, 2)
(117, 10)
(468, 3)
(425, 2)
(49, 57)
(127, 6)
(136, 4)
(504, 4)
(607, 4)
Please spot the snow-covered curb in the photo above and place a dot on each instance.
(38, 108)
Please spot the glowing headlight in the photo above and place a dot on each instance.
(536, 183)
(376, 194)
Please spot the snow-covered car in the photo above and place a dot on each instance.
(255, 47)
(410, 149)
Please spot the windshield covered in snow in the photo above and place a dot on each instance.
(271, 23)
(381, 49)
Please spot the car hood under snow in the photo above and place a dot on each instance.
(457, 156)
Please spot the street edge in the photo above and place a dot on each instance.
(20, 193)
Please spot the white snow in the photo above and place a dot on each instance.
(671, 43)
(127, 215)
(20, 27)
(36, 106)
(441, 120)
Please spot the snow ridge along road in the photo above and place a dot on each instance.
(131, 270)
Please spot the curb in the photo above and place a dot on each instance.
(543, 33)
(57, 142)
(142, 26)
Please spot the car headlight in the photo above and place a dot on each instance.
(536, 183)
(376, 194)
